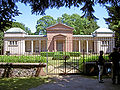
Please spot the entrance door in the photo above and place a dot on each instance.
(59, 45)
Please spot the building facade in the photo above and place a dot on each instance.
(59, 38)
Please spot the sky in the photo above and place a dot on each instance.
(30, 20)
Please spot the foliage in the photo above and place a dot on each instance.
(1, 42)
(40, 6)
(114, 21)
(22, 83)
(75, 54)
(43, 23)
(19, 25)
(45, 54)
(93, 58)
(22, 26)
(81, 26)
(22, 59)
(61, 55)
(50, 54)
(8, 8)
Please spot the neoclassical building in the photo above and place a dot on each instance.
(59, 38)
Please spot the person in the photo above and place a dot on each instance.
(114, 57)
(101, 62)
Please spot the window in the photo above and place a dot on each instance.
(13, 42)
(105, 42)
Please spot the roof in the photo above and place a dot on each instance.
(15, 30)
(82, 35)
(103, 30)
(35, 35)
(59, 26)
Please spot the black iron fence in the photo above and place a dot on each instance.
(61, 56)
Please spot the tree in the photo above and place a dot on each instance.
(39, 6)
(8, 8)
(82, 26)
(1, 42)
(22, 26)
(19, 25)
(43, 23)
(114, 21)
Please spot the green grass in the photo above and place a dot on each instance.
(22, 59)
(22, 83)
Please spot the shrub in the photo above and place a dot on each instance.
(45, 54)
(61, 56)
(22, 59)
(75, 54)
(95, 58)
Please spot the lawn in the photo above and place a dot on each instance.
(22, 83)
(23, 59)
(42, 59)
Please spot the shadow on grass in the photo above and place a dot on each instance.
(22, 83)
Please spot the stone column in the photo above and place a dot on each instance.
(23, 48)
(75, 45)
(39, 45)
(79, 46)
(32, 46)
(54, 45)
(87, 46)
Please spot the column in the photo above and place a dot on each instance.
(23, 52)
(75, 45)
(87, 46)
(32, 46)
(54, 45)
(79, 45)
(39, 45)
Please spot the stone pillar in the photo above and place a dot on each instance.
(79, 46)
(39, 45)
(87, 46)
(54, 45)
(23, 48)
(32, 46)
(75, 45)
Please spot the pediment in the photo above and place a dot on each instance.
(59, 26)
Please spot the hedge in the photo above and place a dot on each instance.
(45, 54)
(61, 55)
(75, 54)
(22, 59)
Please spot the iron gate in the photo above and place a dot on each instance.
(64, 61)
(64, 56)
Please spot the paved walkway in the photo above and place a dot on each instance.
(77, 82)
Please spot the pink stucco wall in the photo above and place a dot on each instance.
(59, 32)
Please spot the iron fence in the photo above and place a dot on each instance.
(63, 56)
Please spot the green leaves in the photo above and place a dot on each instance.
(114, 22)
(82, 26)
(43, 23)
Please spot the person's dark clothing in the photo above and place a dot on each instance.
(115, 58)
(101, 61)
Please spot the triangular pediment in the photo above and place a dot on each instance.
(59, 26)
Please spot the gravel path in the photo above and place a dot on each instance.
(77, 82)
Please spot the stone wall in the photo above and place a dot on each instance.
(18, 72)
